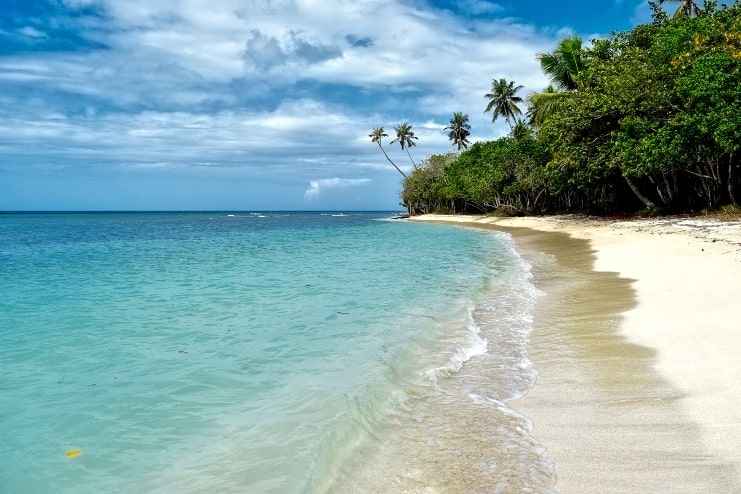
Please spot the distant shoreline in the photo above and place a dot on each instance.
(636, 395)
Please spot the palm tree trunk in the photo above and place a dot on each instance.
(389, 160)
(414, 165)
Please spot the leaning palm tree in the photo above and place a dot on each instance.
(376, 137)
(503, 100)
(459, 130)
(686, 7)
(565, 64)
(405, 137)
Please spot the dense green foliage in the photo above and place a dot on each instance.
(649, 118)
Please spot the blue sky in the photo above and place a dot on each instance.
(254, 104)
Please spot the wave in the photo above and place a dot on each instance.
(475, 345)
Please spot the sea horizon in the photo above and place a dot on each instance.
(145, 211)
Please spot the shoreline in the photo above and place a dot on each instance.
(635, 344)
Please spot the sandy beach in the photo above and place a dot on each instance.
(636, 345)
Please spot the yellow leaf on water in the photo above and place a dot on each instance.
(73, 452)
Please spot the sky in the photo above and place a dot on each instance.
(255, 104)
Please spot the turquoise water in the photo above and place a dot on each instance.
(261, 352)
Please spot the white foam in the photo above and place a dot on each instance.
(476, 345)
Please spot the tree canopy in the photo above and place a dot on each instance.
(405, 137)
(459, 130)
(503, 100)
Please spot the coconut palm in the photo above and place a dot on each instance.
(686, 7)
(405, 137)
(503, 100)
(376, 136)
(543, 104)
(564, 65)
(521, 130)
(459, 130)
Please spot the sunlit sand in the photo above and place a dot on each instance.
(636, 345)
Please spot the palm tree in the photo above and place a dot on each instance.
(405, 137)
(686, 7)
(521, 130)
(376, 137)
(564, 65)
(503, 100)
(541, 105)
(459, 130)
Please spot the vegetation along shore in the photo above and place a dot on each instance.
(643, 120)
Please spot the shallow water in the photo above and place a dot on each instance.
(262, 352)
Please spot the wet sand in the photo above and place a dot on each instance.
(635, 345)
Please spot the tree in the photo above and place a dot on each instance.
(521, 130)
(503, 100)
(657, 116)
(376, 136)
(542, 105)
(504, 174)
(646, 118)
(426, 189)
(405, 137)
(686, 7)
(565, 67)
(565, 64)
(459, 130)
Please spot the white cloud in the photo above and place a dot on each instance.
(298, 140)
(224, 40)
(32, 32)
(284, 90)
(478, 7)
(319, 187)
(76, 4)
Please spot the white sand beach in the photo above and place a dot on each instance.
(678, 431)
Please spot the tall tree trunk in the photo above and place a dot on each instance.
(414, 165)
(659, 191)
(730, 180)
(389, 160)
(669, 187)
(645, 200)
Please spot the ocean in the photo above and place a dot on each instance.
(263, 352)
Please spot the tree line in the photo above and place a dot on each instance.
(647, 119)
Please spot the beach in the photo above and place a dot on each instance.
(635, 343)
